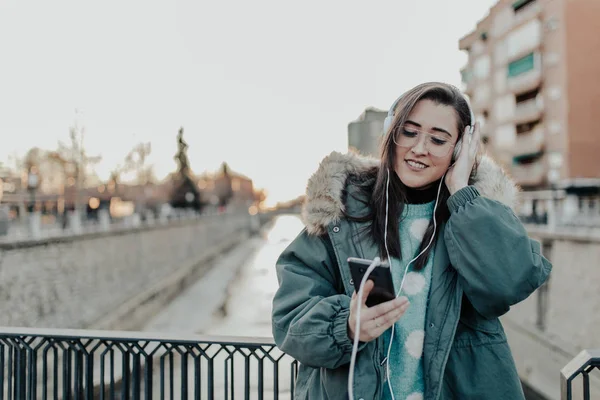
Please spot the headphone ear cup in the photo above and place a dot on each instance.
(457, 148)
(387, 123)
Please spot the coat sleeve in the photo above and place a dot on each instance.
(498, 264)
(310, 317)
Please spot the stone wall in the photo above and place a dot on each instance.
(83, 281)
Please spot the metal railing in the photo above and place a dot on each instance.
(82, 364)
(583, 364)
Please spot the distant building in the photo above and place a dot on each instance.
(532, 76)
(365, 134)
(227, 187)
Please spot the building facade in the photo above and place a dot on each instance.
(365, 133)
(532, 76)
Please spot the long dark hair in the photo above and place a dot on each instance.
(373, 188)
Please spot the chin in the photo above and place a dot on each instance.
(413, 180)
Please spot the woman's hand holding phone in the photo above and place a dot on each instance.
(377, 319)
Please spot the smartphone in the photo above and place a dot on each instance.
(382, 277)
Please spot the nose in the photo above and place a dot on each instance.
(420, 148)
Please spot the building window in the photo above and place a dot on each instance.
(524, 39)
(530, 158)
(477, 48)
(555, 159)
(482, 93)
(504, 108)
(520, 4)
(521, 65)
(526, 127)
(481, 67)
(552, 24)
(505, 136)
(530, 95)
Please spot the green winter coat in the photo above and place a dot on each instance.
(484, 262)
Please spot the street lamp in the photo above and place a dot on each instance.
(32, 185)
(34, 217)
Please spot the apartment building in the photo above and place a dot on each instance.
(533, 75)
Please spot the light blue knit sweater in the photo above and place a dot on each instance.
(406, 361)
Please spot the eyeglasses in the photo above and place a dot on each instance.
(408, 136)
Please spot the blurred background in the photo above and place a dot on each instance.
(154, 155)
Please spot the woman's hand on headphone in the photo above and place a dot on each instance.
(377, 319)
(459, 173)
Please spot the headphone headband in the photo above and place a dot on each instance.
(389, 119)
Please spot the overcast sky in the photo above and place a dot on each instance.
(268, 86)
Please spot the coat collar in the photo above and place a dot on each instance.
(324, 193)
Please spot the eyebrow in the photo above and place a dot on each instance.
(435, 129)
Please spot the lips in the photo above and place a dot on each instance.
(415, 165)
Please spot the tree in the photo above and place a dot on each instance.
(136, 161)
(77, 163)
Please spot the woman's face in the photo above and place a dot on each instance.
(415, 164)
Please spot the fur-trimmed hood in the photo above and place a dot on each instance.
(324, 193)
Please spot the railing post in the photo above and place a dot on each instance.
(582, 364)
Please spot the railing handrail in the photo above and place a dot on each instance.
(90, 364)
(172, 337)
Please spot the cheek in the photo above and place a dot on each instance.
(441, 165)
(444, 162)
(400, 155)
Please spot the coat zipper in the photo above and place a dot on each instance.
(447, 354)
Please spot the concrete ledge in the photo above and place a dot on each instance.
(574, 234)
(114, 231)
(133, 314)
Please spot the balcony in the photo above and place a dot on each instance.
(527, 13)
(532, 174)
(527, 111)
(526, 81)
(529, 142)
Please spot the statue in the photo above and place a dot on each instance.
(185, 192)
(181, 156)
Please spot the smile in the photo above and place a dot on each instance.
(416, 165)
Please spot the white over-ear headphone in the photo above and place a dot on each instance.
(389, 120)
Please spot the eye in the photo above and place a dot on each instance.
(438, 141)
(408, 133)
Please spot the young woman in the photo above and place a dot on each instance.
(448, 342)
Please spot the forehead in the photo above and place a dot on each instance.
(431, 115)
